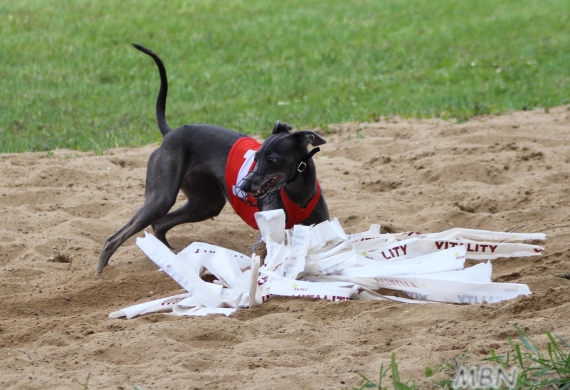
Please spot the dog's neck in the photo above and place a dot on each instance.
(304, 188)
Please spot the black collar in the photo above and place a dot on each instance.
(303, 164)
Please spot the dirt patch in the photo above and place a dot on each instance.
(420, 175)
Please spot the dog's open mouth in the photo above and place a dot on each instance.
(259, 195)
(267, 187)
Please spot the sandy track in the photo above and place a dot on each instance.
(491, 173)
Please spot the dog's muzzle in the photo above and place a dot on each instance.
(259, 195)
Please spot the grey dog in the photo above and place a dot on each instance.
(195, 159)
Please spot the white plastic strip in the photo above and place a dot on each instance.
(447, 260)
(155, 306)
(473, 234)
(324, 262)
(475, 250)
(254, 296)
(453, 291)
(201, 311)
(295, 263)
(296, 288)
(198, 253)
(175, 268)
(271, 225)
(222, 266)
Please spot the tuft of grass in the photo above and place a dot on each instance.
(86, 383)
(449, 369)
(537, 369)
(69, 78)
(396, 382)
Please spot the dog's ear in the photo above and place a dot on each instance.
(306, 137)
(280, 127)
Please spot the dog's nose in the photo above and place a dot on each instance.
(246, 185)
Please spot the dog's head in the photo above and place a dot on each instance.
(282, 155)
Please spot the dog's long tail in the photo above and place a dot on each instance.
(161, 100)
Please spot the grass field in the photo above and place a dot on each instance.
(70, 79)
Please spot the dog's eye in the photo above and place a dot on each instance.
(270, 160)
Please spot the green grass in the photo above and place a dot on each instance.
(537, 368)
(397, 384)
(70, 79)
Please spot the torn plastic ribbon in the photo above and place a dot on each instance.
(323, 262)
(149, 307)
(475, 250)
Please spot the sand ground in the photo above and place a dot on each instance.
(493, 172)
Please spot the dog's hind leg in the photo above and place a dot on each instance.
(154, 207)
(164, 178)
(205, 200)
(143, 218)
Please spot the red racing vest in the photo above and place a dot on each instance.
(240, 163)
